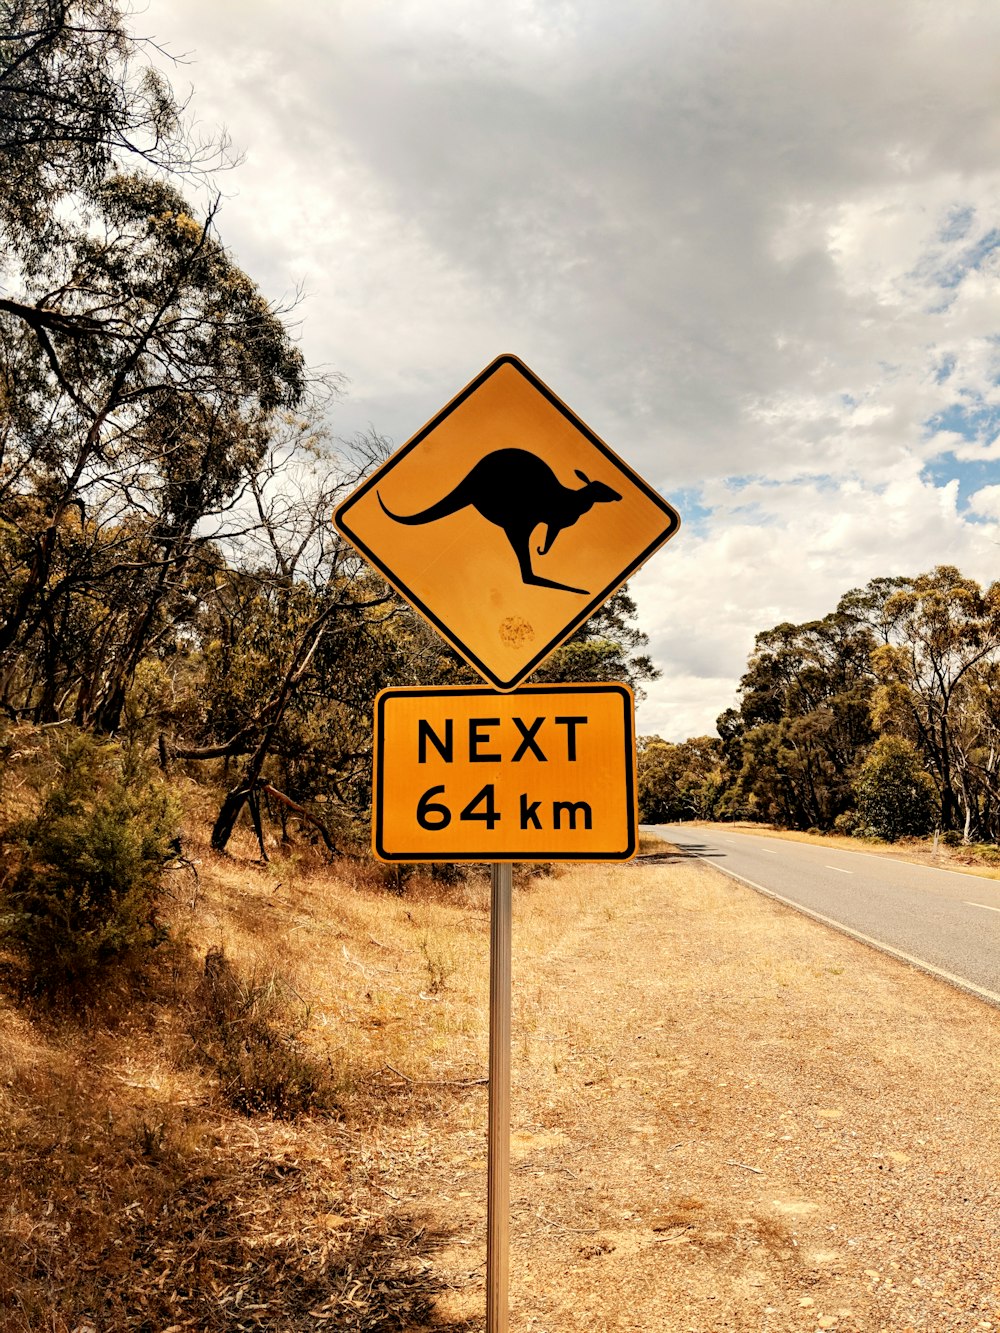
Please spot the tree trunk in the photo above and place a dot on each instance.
(250, 778)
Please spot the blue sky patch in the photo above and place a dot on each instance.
(972, 475)
(694, 514)
(945, 368)
(958, 224)
(974, 419)
(948, 269)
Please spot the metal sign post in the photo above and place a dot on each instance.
(498, 1154)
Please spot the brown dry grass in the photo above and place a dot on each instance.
(136, 1197)
(724, 1117)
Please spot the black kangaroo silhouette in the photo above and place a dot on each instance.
(517, 490)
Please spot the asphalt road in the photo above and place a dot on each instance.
(941, 920)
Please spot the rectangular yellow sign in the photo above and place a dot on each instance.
(546, 773)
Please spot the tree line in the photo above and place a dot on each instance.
(883, 717)
(168, 572)
(169, 575)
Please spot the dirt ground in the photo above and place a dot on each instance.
(725, 1116)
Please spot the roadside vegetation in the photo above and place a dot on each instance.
(189, 1114)
(882, 720)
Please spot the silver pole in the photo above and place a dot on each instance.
(498, 1156)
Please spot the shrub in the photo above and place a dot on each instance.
(244, 1032)
(895, 794)
(88, 867)
(848, 823)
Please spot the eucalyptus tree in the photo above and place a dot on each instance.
(937, 669)
(158, 410)
(79, 95)
(913, 659)
(141, 371)
(802, 721)
(677, 781)
(289, 640)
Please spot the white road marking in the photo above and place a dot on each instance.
(840, 870)
(895, 860)
(985, 906)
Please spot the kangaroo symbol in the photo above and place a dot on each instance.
(516, 490)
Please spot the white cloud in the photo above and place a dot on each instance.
(986, 502)
(790, 559)
(740, 240)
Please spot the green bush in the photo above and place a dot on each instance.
(895, 794)
(848, 822)
(87, 869)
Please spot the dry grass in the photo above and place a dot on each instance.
(650, 843)
(193, 1153)
(140, 1194)
(208, 1146)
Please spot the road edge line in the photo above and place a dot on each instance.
(967, 871)
(960, 983)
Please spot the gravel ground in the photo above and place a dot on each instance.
(725, 1116)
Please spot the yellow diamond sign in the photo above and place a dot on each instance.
(506, 522)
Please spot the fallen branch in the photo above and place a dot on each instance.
(743, 1167)
(550, 1222)
(437, 1082)
(303, 813)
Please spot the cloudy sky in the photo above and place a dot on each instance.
(754, 244)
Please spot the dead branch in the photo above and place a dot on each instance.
(303, 813)
(437, 1082)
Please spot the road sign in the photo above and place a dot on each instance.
(467, 774)
(506, 522)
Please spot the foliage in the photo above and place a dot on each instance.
(77, 92)
(87, 882)
(849, 824)
(141, 372)
(682, 781)
(937, 666)
(802, 719)
(895, 793)
(608, 646)
(914, 658)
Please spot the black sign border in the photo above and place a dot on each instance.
(379, 760)
(598, 600)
